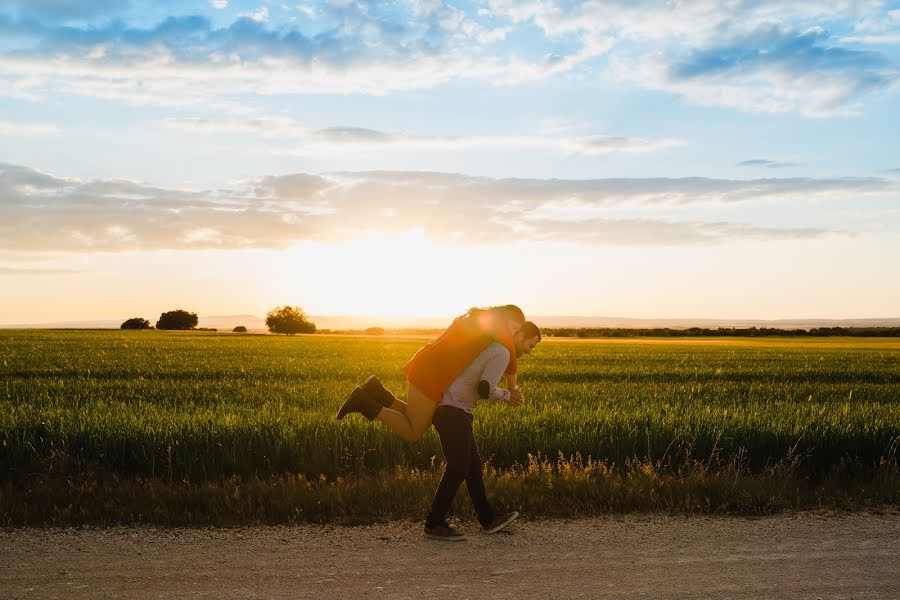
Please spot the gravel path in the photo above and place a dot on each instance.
(805, 555)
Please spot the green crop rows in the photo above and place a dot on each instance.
(199, 407)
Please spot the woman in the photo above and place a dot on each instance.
(434, 367)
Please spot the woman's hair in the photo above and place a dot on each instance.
(530, 330)
(508, 311)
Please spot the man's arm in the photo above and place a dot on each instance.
(492, 372)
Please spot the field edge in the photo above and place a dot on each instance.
(542, 489)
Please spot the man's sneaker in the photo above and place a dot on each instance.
(500, 522)
(445, 533)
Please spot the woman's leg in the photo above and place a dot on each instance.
(373, 387)
(454, 427)
(412, 423)
(398, 405)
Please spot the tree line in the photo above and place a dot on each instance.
(286, 319)
(617, 332)
(291, 320)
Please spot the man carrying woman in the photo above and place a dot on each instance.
(446, 378)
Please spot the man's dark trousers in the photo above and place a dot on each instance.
(454, 426)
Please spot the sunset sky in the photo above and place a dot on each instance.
(625, 159)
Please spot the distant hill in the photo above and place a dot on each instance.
(625, 322)
(222, 323)
(254, 323)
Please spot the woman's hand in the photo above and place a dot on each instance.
(516, 397)
(511, 382)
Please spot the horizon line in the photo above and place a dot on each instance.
(435, 321)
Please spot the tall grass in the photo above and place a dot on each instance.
(189, 407)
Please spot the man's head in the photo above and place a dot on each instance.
(526, 338)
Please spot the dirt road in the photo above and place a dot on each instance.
(807, 555)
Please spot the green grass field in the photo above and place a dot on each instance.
(79, 409)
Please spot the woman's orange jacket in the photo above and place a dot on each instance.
(434, 367)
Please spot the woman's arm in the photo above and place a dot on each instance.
(511, 381)
(516, 397)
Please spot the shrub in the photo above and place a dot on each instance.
(136, 323)
(177, 320)
(289, 320)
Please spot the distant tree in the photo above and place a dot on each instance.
(136, 323)
(374, 331)
(239, 329)
(289, 320)
(177, 319)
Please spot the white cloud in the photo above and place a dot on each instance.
(342, 136)
(219, 4)
(767, 88)
(154, 76)
(372, 48)
(696, 23)
(802, 71)
(604, 144)
(260, 15)
(204, 236)
(281, 126)
(872, 39)
(308, 11)
(121, 233)
(379, 48)
(17, 271)
(769, 164)
(43, 213)
(27, 129)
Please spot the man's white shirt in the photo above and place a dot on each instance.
(489, 365)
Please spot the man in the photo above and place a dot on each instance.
(434, 367)
(453, 421)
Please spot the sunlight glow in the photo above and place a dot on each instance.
(405, 275)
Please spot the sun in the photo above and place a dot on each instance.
(405, 275)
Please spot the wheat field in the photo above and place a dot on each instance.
(194, 408)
